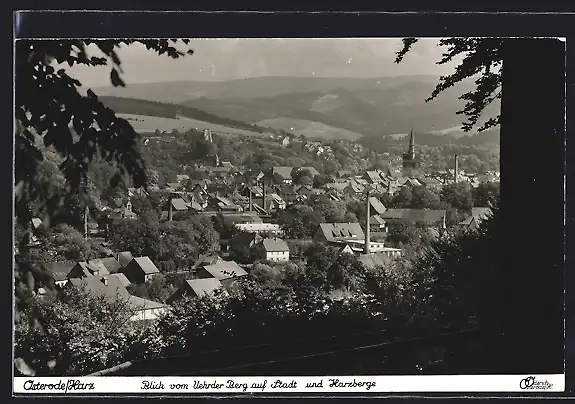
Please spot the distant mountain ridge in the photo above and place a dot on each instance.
(359, 107)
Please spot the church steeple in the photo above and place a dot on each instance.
(411, 150)
(411, 164)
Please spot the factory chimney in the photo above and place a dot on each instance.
(264, 193)
(456, 170)
(170, 208)
(367, 235)
(86, 210)
(251, 200)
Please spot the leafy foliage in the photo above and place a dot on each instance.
(483, 57)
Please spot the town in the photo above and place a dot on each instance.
(255, 228)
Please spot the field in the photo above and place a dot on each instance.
(147, 124)
(310, 129)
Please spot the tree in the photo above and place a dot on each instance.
(483, 57)
(510, 69)
(423, 198)
(487, 194)
(403, 198)
(458, 196)
(320, 180)
(52, 116)
(80, 334)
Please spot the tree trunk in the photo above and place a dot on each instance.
(532, 195)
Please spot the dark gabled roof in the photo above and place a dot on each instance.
(124, 258)
(225, 270)
(415, 215)
(377, 205)
(60, 269)
(146, 264)
(275, 245)
(341, 231)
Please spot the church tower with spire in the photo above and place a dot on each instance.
(411, 163)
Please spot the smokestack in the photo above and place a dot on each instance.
(170, 209)
(264, 193)
(367, 235)
(86, 210)
(456, 171)
(251, 200)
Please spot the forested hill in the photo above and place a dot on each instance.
(134, 106)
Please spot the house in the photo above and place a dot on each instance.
(304, 191)
(207, 259)
(173, 186)
(124, 258)
(336, 186)
(372, 177)
(477, 216)
(197, 288)
(220, 203)
(179, 205)
(36, 222)
(272, 249)
(274, 203)
(427, 216)
(377, 227)
(111, 288)
(245, 240)
(431, 183)
(344, 173)
(227, 272)
(226, 164)
(84, 269)
(286, 192)
(122, 279)
(355, 187)
(285, 141)
(338, 232)
(140, 270)
(257, 192)
(145, 310)
(282, 174)
(111, 263)
(59, 271)
(311, 170)
(376, 205)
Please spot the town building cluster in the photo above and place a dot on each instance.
(252, 206)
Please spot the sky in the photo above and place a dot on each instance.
(231, 59)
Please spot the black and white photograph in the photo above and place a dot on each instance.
(281, 207)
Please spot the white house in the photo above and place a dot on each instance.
(273, 249)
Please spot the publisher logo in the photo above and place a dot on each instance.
(531, 383)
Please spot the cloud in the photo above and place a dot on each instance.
(229, 59)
